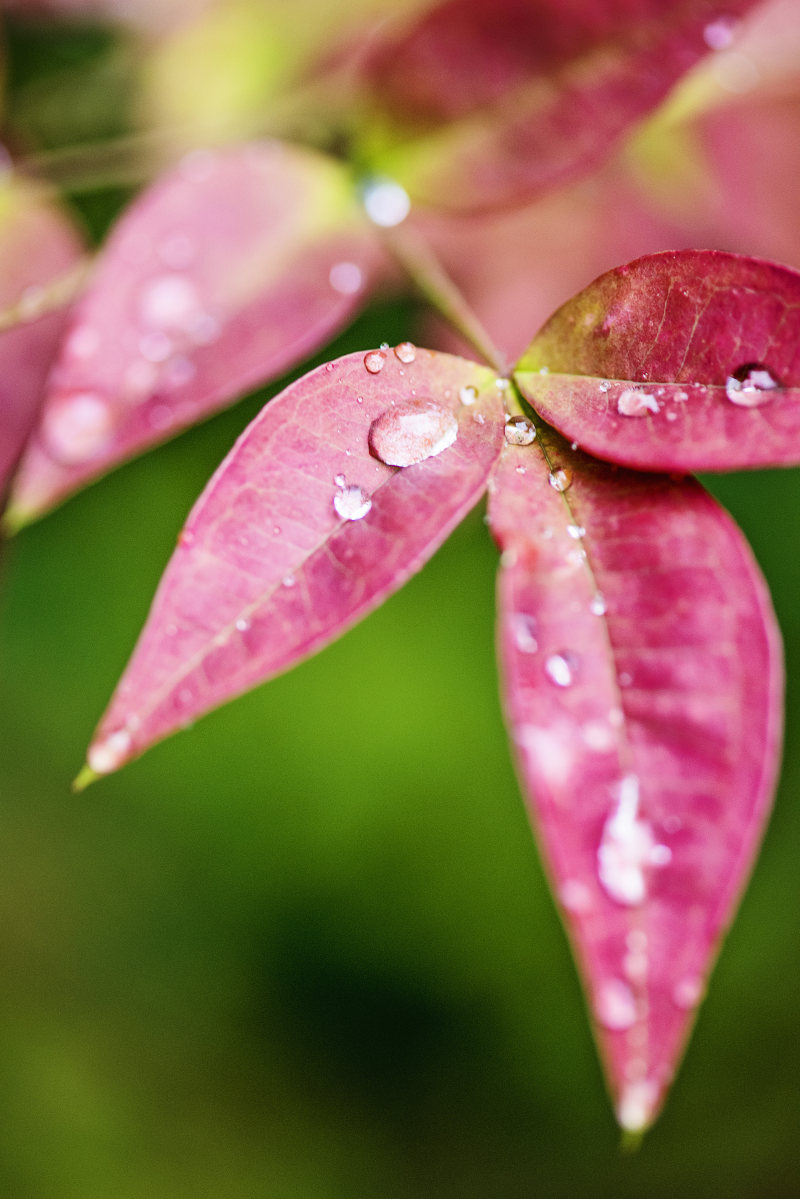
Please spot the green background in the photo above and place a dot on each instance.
(305, 949)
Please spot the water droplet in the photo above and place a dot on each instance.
(468, 395)
(76, 426)
(346, 278)
(168, 302)
(615, 1005)
(561, 668)
(688, 992)
(597, 735)
(386, 203)
(520, 431)
(719, 34)
(242, 624)
(560, 479)
(597, 604)
(636, 403)
(108, 755)
(186, 538)
(406, 351)
(339, 480)
(412, 431)
(576, 532)
(523, 630)
(750, 386)
(626, 848)
(575, 896)
(502, 384)
(351, 503)
(288, 580)
(637, 1103)
(604, 385)
(374, 361)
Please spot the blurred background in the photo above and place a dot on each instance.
(306, 950)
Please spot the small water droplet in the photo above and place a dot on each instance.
(561, 668)
(384, 345)
(750, 386)
(560, 479)
(242, 624)
(351, 503)
(346, 278)
(688, 992)
(520, 431)
(576, 532)
(523, 630)
(597, 735)
(276, 530)
(76, 426)
(597, 604)
(288, 580)
(374, 361)
(108, 755)
(604, 385)
(83, 342)
(615, 1005)
(637, 1104)
(468, 395)
(502, 384)
(339, 480)
(636, 403)
(406, 351)
(168, 302)
(186, 538)
(680, 397)
(412, 431)
(386, 203)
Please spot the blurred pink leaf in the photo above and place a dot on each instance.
(37, 246)
(484, 102)
(683, 361)
(643, 684)
(227, 272)
(303, 530)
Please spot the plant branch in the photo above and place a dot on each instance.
(417, 258)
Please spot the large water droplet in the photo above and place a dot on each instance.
(560, 479)
(627, 848)
(468, 395)
(386, 203)
(751, 386)
(412, 431)
(561, 668)
(406, 351)
(108, 755)
(350, 502)
(168, 302)
(636, 403)
(76, 426)
(520, 431)
(374, 361)
(615, 1005)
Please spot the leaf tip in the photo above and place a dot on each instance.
(637, 1109)
(14, 519)
(85, 777)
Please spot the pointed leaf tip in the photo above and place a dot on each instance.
(682, 361)
(642, 679)
(85, 777)
(304, 529)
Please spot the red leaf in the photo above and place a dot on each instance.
(228, 271)
(494, 100)
(682, 361)
(37, 246)
(300, 533)
(643, 692)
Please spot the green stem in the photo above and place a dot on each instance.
(417, 258)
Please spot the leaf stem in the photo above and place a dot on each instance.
(417, 258)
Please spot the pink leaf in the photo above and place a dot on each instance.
(682, 361)
(494, 100)
(301, 532)
(37, 246)
(643, 684)
(228, 271)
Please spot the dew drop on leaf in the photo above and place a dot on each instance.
(597, 604)
(688, 992)
(560, 479)
(561, 668)
(374, 361)
(628, 848)
(636, 403)
(524, 630)
(520, 431)
(750, 386)
(77, 426)
(412, 431)
(468, 395)
(386, 203)
(106, 756)
(350, 501)
(615, 1005)
(406, 351)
